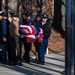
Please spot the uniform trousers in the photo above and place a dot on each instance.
(37, 47)
(27, 47)
(6, 53)
(15, 45)
(43, 48)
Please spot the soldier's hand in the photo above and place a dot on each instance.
(4, 40)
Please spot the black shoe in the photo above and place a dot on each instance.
(35, 59)
(27, 61)
(4, 63)
(38, 61)
(10, 63)
(19, 64)
(42, 63)
(14, 63)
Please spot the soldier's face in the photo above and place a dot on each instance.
(0, 17)
(15, 18)
(38, 18)
(28, 17)
(5, 17)
(44, 19)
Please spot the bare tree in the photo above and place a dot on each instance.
(22, 6)
(0, 5)
(57, 22)
(12, 5)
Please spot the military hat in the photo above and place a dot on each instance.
(1, 13)
(12, 12)
(4, 14)
(44, 16)
(15, 15)
(28, 14)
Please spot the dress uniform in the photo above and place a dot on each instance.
(0, 26)
(5, 37)
(0, 35)
(27, 45)
(46, 34)
(36, 44)
(15, 40)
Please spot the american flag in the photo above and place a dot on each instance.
(31, 33)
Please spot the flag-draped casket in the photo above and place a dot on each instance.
(31, 33)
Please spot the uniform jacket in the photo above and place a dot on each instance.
(14, 29)
(0, 26)
(5, 28)
(25, 22)
(46, 27)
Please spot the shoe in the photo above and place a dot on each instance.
(42, 63)
(10, 63)
(27, 61)
(19, 64)
(35, 59)
(38, 61)
(14, 63)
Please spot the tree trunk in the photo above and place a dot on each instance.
(0, 5)
(58, 17)
(12, 5)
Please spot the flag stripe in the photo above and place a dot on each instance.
(31, 32)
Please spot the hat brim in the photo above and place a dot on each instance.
(0, 14)
(28, 15)
(15, 16)
(44, 17)
(4, 15)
